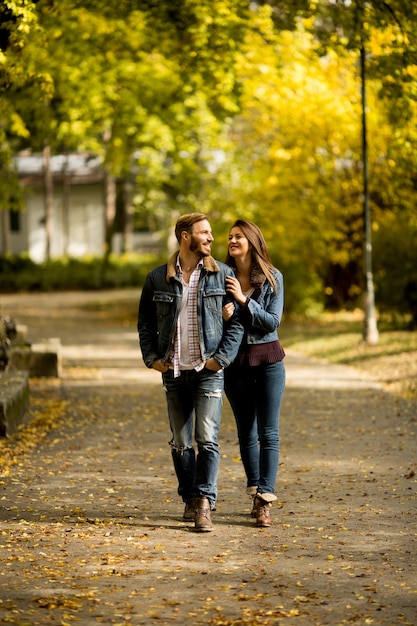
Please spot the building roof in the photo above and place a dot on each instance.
(77, 168)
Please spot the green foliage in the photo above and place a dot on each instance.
(234, 109)
(21, 274)
(395, 263)
(342, 26)
(304, 292)
(18, 22)
(297, 154)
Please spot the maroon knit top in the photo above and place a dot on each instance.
(260, 353)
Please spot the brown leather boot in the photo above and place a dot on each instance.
(263, 512)
(202, 515)
(189, 511)
(251, 492)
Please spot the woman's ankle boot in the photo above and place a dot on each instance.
(262, 507)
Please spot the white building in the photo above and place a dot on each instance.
(78, 209)
(78, 215)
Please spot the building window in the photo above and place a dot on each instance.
(14, 221)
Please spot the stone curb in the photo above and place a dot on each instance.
(14, 399)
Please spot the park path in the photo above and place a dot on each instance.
(90, 523)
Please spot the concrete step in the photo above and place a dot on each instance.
(40, 360)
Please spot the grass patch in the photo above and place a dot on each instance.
(338, 338)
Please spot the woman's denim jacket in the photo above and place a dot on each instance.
(159, 309)
(262, 317)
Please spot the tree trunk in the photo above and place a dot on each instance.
(127, 218)
(5, 231)
(49, 190)
(110, 203)
(66, 201)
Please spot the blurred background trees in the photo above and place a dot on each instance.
(233, 108)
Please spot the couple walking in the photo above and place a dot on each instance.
(210, 327)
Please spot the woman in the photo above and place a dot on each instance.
(255, 382)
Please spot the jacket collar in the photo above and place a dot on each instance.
(256, 277)
(209, 264)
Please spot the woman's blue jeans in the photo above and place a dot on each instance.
(194, 401)
(255, 394)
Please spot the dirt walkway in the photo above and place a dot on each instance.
(90, 523)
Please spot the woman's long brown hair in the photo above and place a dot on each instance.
(259, 250)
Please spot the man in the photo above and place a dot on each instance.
(182, 335)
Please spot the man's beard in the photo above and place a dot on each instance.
(195, 247)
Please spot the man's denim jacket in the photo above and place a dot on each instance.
(160, 305)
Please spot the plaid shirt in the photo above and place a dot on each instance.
(192, 330)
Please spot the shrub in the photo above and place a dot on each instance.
(19, 273)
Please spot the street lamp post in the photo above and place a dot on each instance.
(370, 330)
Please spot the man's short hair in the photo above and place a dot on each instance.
(186, 222)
